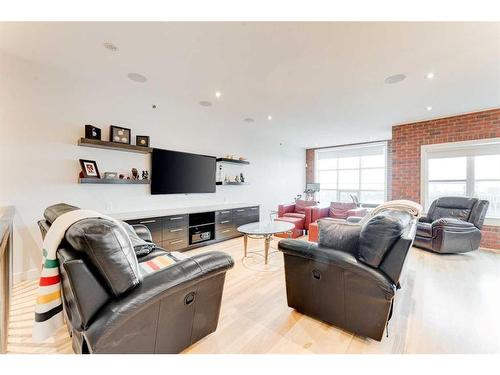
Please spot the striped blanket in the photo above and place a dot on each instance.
(160, 262)
(48, 309)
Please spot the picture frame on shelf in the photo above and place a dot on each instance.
(142, 140)
(118, 134)
(89, 169)
(91, 132)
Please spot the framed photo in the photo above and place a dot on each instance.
(89, 169)
(91, 132)
(142, 140)
(118, 134)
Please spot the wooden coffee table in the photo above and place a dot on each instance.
(266, 230)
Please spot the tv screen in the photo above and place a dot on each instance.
(174, 172)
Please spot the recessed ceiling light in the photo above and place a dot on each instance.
(205, 103)
(249, 119)
(429, 75)
(429, 108)
(110, 46)
(396, 78)
(136, 77)
(218, 94)
(269, 117)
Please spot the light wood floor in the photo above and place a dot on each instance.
(447, 304)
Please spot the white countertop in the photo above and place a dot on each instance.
(179, 210)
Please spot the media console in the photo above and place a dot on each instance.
(186, 231)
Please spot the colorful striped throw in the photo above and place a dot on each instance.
(48, 309)
(160, 262)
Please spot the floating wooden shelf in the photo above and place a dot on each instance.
(231, 183)
(86, 142)
(90, 180)
(232, 161)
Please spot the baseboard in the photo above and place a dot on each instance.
(31, 274)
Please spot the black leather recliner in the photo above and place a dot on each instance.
(350, 277)
(452, 225)
(110, 308)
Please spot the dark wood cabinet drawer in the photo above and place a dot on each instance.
(175, 221)
(175, 244)
(226, 233)
(174, 233)
(154, 225)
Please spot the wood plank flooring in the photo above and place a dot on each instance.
(447, 304)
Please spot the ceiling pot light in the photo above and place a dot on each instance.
(429, 75)
(110, 46)
(269, 117)
(249, 120)
(429, 108)
(205, 103)
(218, 94)
(136, 77)
(396, 78)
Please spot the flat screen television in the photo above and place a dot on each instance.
(174, 172)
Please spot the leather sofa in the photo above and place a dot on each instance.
(110, 308)
(452, 225)
(301, 209)
(350, 277)
(335, 211)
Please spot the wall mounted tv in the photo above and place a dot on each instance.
(174, 172)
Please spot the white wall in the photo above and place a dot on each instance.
(42, 114)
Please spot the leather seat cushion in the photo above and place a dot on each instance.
(298, 222)
(295, 214)
(379, 234)
(424, 229)
(339, 236)
(109, 249)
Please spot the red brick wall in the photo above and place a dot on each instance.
(406, 142)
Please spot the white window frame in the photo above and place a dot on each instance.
(351, 147)
(455, 149)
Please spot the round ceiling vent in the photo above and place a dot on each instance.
(110, 46)
(205, 103)
(136, 77)
(396, 78)
(249, 119)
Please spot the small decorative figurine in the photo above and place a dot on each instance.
(135, 174)
(122, 176)
(242, 178)
(145, 175)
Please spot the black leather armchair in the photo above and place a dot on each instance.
(350, 280)
(452, 225)
(110, 308)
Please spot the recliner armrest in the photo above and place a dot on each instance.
(143, 232)
(424, 219)
(154, 288)
(340, 259)
(452, 224)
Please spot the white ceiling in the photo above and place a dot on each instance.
(323, 83)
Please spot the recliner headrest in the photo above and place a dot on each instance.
(456, 202)
(51, 213)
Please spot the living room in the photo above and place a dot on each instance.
(249, 187)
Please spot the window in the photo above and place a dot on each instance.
(352, 170)
(465, 169)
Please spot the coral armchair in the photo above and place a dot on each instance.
(300, 209)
